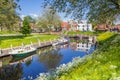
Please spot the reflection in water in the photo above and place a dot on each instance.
(28, 60)
(51, 59)
(81, 46)
(11, 72)
(22, 59)
(5, 61)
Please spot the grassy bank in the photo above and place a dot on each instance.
(105, 36)
(104, 64)
(6, 41)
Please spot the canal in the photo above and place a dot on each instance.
(43, 60)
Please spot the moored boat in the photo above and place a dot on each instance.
(22, 51)
(60, 41)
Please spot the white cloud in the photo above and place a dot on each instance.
(22, 16)
(34, 15)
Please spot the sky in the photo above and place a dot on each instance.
(32, 8)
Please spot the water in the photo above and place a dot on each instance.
(43, 60)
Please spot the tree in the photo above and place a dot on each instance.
(30, 19)
(97, 11)
(26, 27)
(49, 19)
(8, 14)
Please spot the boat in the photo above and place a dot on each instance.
(22, 51)
(60, 41)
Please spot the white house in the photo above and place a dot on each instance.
(81, 25)
(84, 26)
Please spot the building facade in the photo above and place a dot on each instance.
(80, 25)
(65, 26)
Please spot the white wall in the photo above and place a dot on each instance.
(84, 26)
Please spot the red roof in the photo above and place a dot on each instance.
(102, 27)
(64, 24)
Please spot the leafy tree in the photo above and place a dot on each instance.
(8, 14)
(30, 19)
(26, 27)
(97, 11)
(49, 19)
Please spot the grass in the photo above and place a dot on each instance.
(104, 36)
(9, 32)
(6, 41)
(104, 64)
(79, 32)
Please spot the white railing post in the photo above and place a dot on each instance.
(11, 47)
(39, 42)
(0, 51)
(50, 41)
(31, 44)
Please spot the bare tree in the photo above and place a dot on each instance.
(49, 20)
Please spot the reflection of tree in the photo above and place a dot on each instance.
(5, 60)
(24, 58)
(11, 72)
(28, 61)
(51, 60)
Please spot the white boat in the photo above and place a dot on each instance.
(60, 41)
(22, 51)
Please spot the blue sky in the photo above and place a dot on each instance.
(32, 8)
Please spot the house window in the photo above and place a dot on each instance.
(87, 29)
(83, 26)
(82, 29)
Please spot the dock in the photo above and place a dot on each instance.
(4, 52)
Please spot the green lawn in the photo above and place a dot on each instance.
(80, 32)
(6, 41)
(8, 32)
